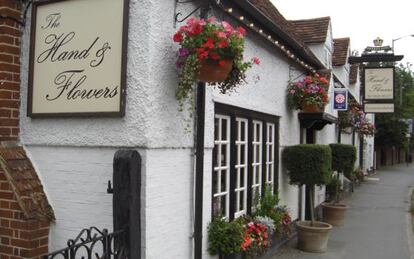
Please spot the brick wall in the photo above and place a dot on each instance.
(19, 237)
(10, 35)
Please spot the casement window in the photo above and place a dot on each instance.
(245, 159)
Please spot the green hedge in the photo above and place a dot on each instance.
(308, 164)
(343, 158)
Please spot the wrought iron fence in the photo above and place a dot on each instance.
(93, 243)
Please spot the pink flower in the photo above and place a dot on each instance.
(241, 30)
(212, 19)
(227, 26)
(292, 91)
(256, 60)
(221, 34)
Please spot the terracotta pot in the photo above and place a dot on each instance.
(334, 214)
(311, 108)
(313, 238)
(210, 71)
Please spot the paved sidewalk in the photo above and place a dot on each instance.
(377, 224)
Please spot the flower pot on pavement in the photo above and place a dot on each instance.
(334, 213)
(211, 71)
(313, 238)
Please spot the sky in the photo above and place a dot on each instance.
(361, 20)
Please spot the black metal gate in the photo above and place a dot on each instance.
(124, 242)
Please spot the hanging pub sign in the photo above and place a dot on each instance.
(340, 100)
(378, 107)
(379, 83)
(78, 58)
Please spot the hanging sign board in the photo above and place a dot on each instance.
(379, 107)
(78, 58)
(379, 83)
(340, 102)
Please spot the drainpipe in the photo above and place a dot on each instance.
(199, 174)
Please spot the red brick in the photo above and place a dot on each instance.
(8, 48)
(9, 104)
(6, 58)
(8, 122)
(4, 205)
(6, 249)
(6, 195)
(5, 113)
(16, 77)
(5, 76)
(18, 225)
(5, 94)
(9, 67)
(5, 223)
(4, 186)
(6, 214)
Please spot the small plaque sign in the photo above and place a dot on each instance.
(78, 58)
(379, 108)
(340, 102)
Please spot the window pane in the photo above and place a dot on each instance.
(241, 201)
(243, 131)
(224, 130)
(215, 156)
(216, 128)
(223, 158)
(223, 181)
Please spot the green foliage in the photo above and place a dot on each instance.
(391, 131)
(225, 237)
(308, 164)
(267, 203)
(332, 189)
(343, 158)
(267, 207)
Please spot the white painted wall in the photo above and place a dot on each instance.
(74, 155)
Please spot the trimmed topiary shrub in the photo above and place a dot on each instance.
(343, 158)
(308, 164)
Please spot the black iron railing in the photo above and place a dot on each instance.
(93, 243)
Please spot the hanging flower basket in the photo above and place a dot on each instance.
(311, 108)
(210, 51)
(211, 71)
(310, 91)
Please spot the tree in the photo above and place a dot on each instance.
(391, 129)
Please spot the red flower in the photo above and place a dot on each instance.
(222, 44)
(308, 80)
(197, 29)
(202, 55)
(209, 44)
(323, 80)
(256, 60)
(214, 56)
(177, 37)
(222, 63)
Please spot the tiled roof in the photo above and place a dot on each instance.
(312, 30)
(272, 13)
(26, 184)
(353, 74)
(340, 54)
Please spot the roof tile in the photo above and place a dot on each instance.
(341, 49)
(312, 30)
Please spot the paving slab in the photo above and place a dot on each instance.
(377, 223)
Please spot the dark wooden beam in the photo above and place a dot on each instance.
(378, 57)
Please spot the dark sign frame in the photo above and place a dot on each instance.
(123, 74)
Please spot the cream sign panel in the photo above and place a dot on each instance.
(77, 59)
(379, 83)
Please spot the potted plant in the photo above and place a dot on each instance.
(310, 165)
(210, 51)
(343, 162)
(309, 94)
